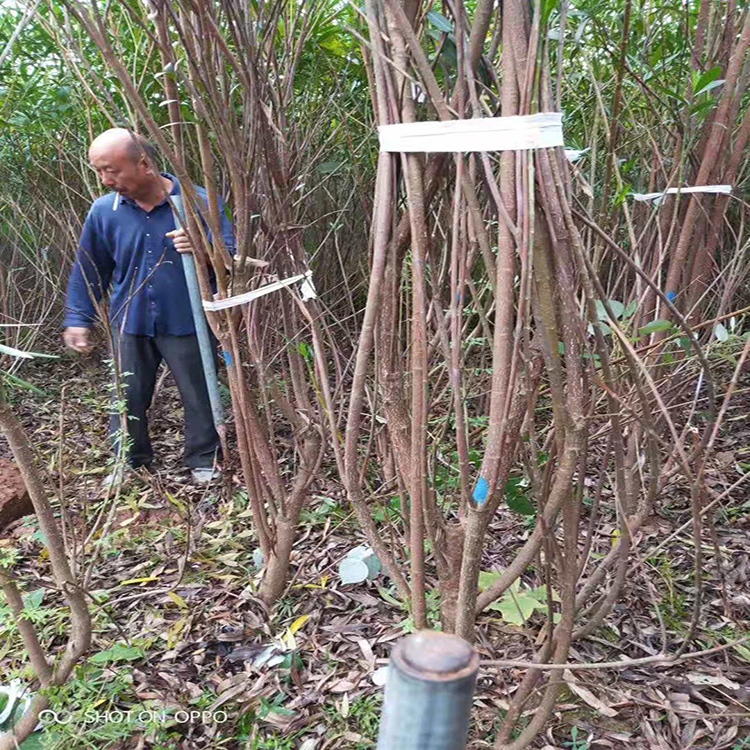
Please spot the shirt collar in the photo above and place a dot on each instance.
(176, 190)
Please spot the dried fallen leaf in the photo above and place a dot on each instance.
(298, 623)
(131, 581)
(177, 599)
(698, 678)
(587, 696)
(342, 686)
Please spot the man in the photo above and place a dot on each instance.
(129, 239)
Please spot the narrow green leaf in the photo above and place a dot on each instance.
(712, 85)
(23, 383)
(654, 326)
(15, 352)
(25, 355)
(439, 21)
(118, 652)
(706, 79)
(547, 7)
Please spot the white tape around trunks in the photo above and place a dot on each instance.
(672, 191)
(572, 154)
(307, 290)
(516, 133)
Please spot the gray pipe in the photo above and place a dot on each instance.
(428, 693)
(199, 318)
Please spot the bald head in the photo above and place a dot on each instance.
(120, 141)
(125, 163)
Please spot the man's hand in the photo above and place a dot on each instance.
(78, 339)
(181, 241)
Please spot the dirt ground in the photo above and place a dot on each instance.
(181, 629)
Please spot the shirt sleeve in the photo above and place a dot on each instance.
(227, 230)
(90, 276)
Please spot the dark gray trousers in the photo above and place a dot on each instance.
(140, 357)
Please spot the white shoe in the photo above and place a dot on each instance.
(115, 478)
(121, 474)
(205, 475)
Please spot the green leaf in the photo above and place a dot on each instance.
(352, 570)
(630, 310)
(119, 652)
(34, 599)
(521, 504)
(488, 578)
(540, 594)
(654, 326)
(623, 194)
(516, 608)
(671, 93)
(327, 167)
(617, 309)
(705, 81)
(34, 742)
(721, 332)
(547, 7)
(390, 598)
(712, 85)
(15, 352)
(439, 21)
(23, 383)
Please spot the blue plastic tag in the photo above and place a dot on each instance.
(671, 296)
(228, 358)
(481, 491)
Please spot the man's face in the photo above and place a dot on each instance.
(118, 171)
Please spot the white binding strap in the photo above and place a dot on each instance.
(306, 289)
(672, 191)
(517, 133)
(572, 154)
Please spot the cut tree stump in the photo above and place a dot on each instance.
(15, 502)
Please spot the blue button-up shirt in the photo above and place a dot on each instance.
(126, 246)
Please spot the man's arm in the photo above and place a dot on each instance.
(88, 282)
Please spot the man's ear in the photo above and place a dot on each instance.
(146, 164)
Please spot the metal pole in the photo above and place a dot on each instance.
(428, 693)
(199, 318)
